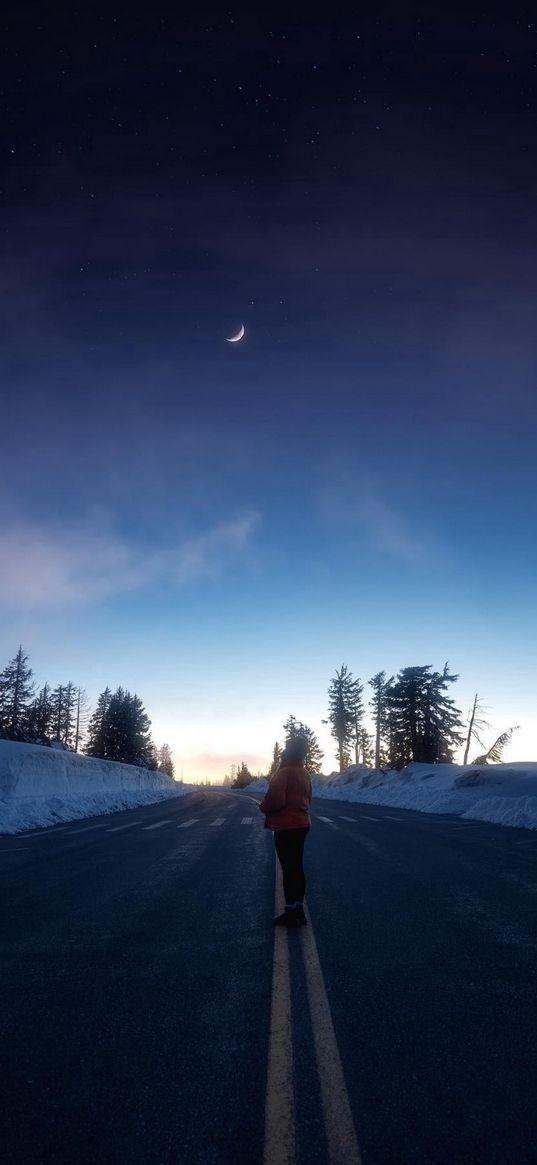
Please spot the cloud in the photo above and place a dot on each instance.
(389, 531)
(359, 505)
(201, 557)
(46, 566)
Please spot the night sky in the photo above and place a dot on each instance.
(219, 526)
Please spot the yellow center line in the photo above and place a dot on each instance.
(280, 1128)
(280, 1145)
(339, 1125)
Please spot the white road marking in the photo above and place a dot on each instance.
(218, 821)
(246, 820)
(184, 824)
(86, 829)
(328, 821)
(53, 829)
(366, 818)
(390, 818)
(280, 1147)
(117, 828)
(342, 1142)
(158, 824)
(343, 818)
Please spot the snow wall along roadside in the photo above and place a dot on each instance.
(41, 786)
(505, 794)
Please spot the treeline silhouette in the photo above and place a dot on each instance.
(119, 728)
(413, 719)
(412, 716)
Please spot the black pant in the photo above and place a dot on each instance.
(289, 845)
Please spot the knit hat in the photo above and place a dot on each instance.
(295, 750)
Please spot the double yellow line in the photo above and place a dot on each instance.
(280, 1136)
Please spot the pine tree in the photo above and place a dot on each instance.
(56, 701)
(165, 760)
(365, 750)
(151, 761)
(243, 777)
(16, 693)
(276, 760)
(357, 715)
(117, 727)
(423, 723)
(39, 718)
(378, 703)
(291, 729)
(66, 714)
(343, 699)
(441, 734)
(294, 729)
(119, 730)
(406, 714)
(142, 749)
(391, 728)
(314, 756)
(97, 742)
(81, 717)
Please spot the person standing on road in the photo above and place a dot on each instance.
(285, 805)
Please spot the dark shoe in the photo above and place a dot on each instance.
(289, 918)
(301, 916)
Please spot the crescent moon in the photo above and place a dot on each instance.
(234, 339)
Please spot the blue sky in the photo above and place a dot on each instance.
(220, 526)
(226, 622)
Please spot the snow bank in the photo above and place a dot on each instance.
(504, 794)
(41, 786)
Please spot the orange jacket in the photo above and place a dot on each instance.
(287, 798)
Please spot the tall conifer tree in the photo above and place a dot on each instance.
(365, 748)
(16, 693)
(423, 722)
(40, 717)
(165, 760)
(276, 760)
(63, 702)
(378, 704)
(96, 744)
(343, 700)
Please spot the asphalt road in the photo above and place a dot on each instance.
(137, 961)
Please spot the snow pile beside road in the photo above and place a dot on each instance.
(504, 794)
(41, 786)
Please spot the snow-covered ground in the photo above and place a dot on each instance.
(41, 786)
(505, 794)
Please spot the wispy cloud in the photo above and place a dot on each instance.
(389, 531)
(202, 556)
(361, 507)
(47, 566)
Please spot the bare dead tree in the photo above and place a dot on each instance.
(476, 724)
